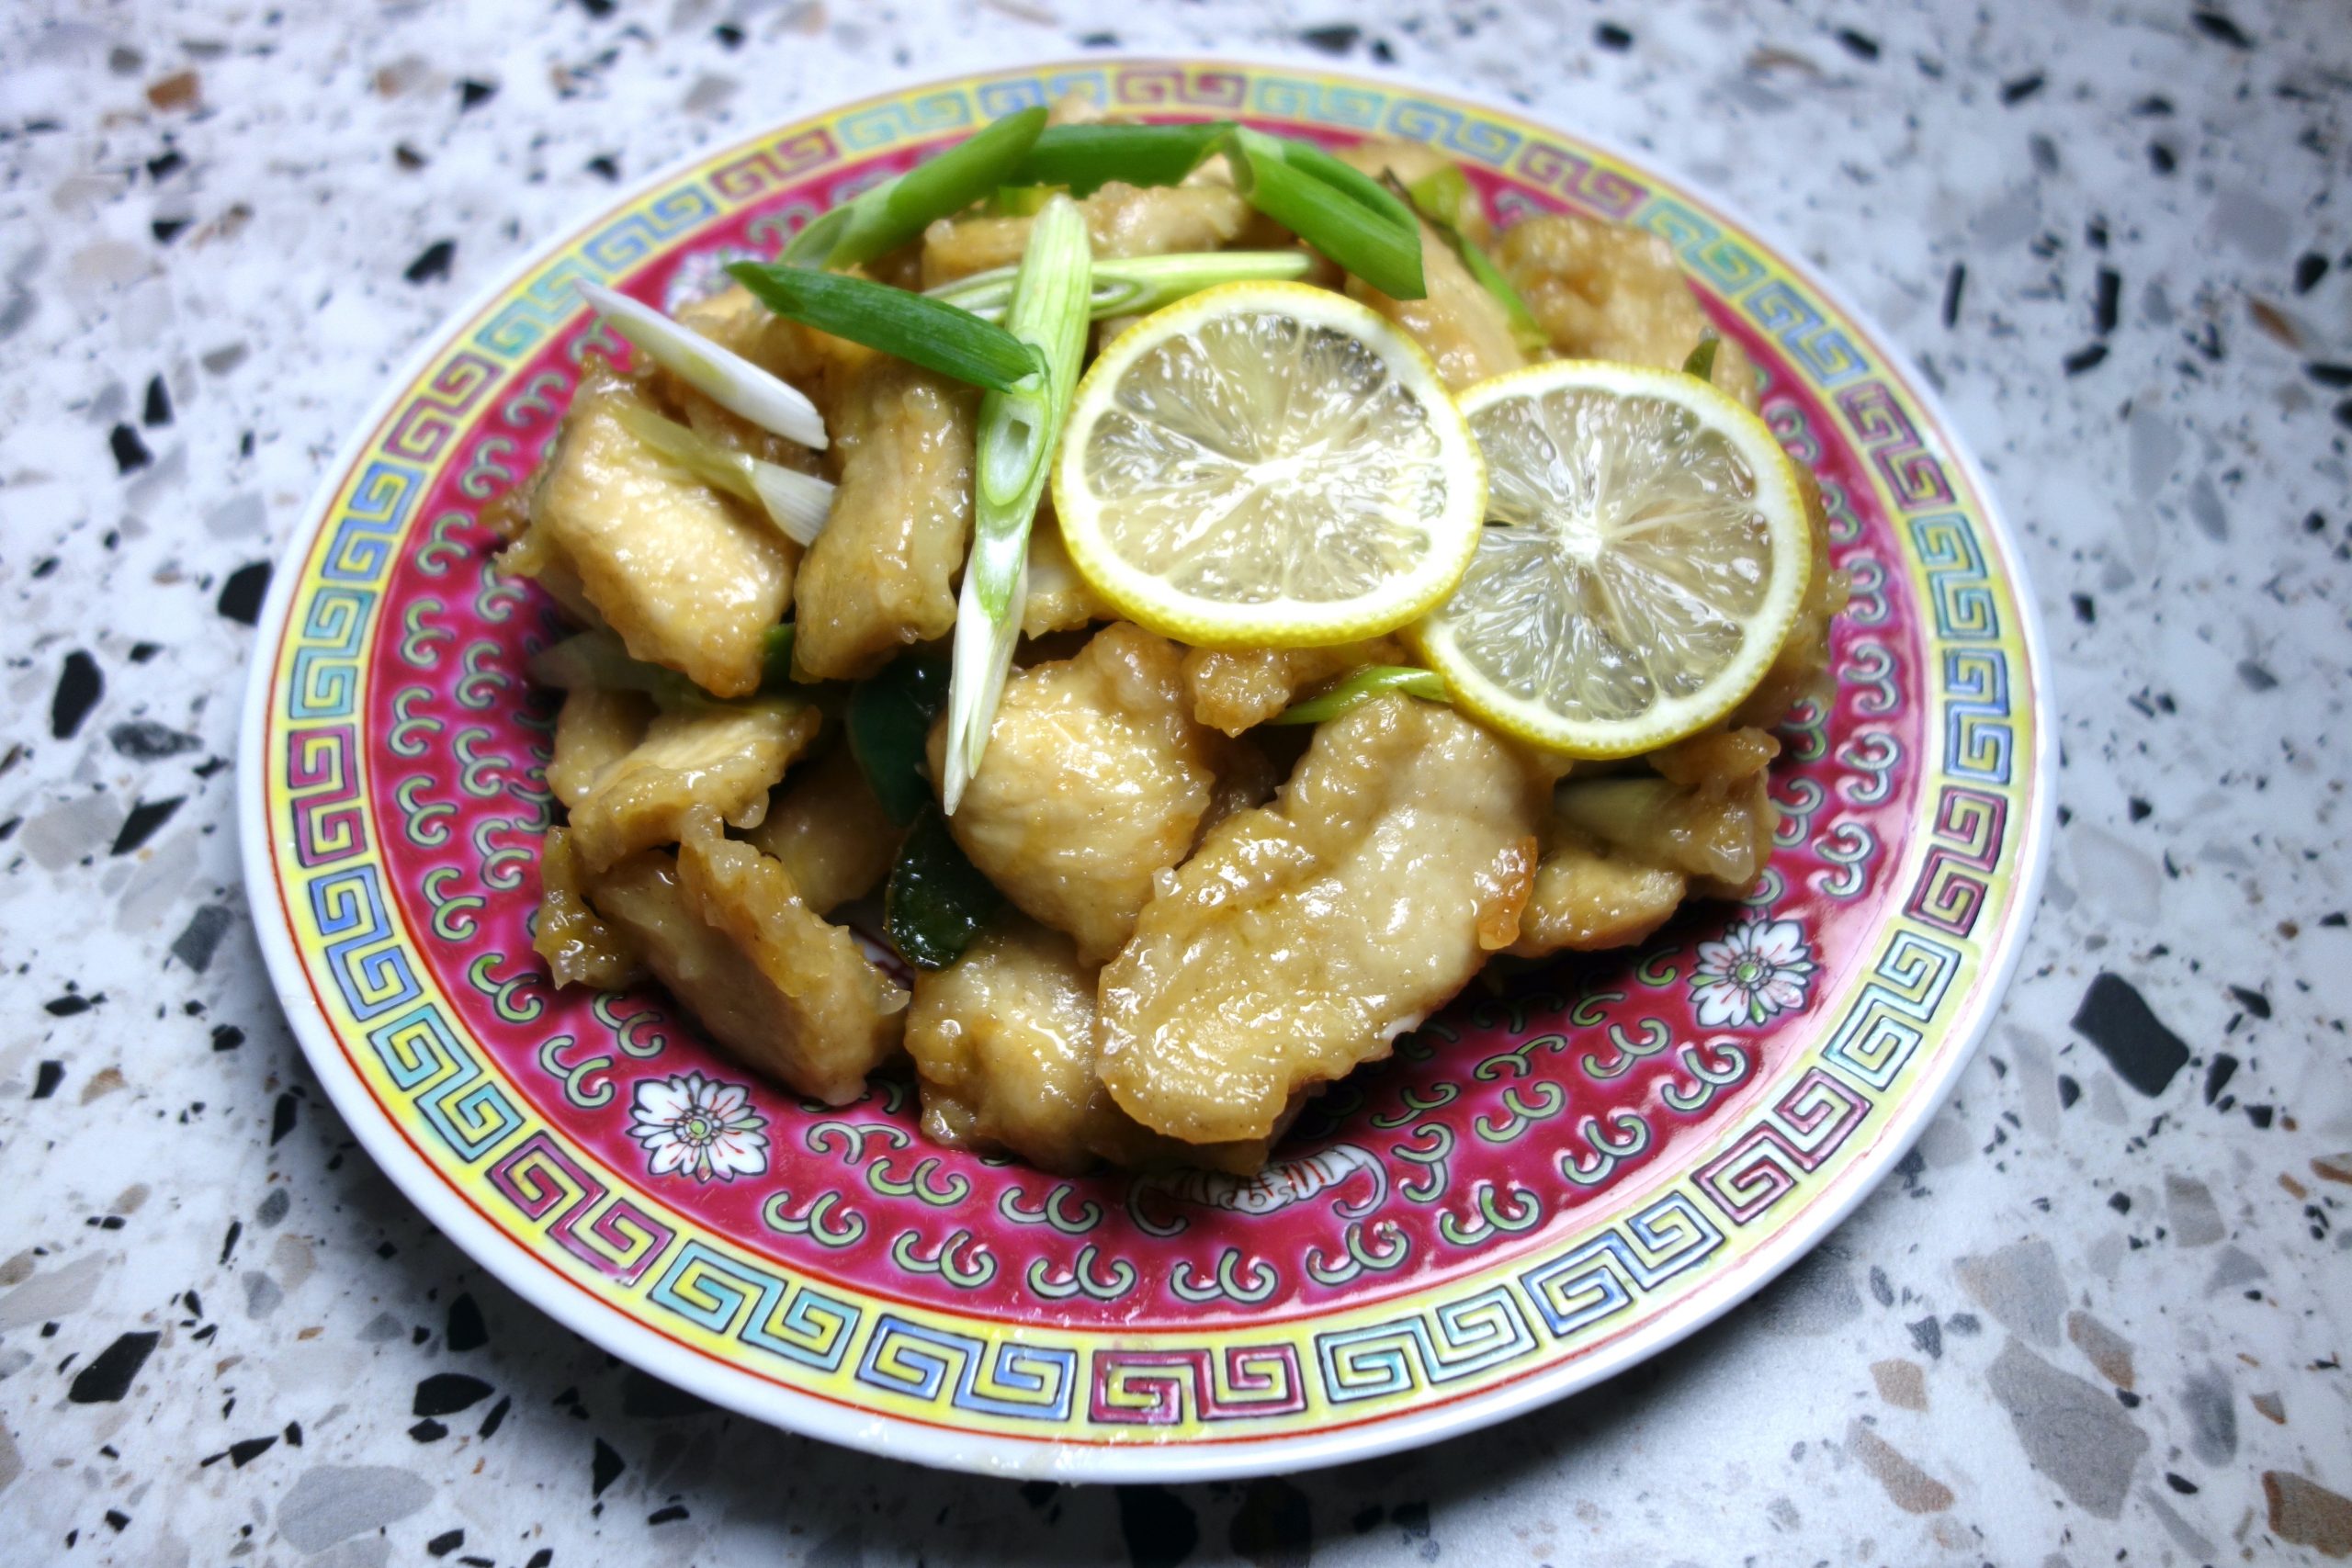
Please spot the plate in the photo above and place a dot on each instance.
(1543, 1186)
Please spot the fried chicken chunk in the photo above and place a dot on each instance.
(593, 729)
(1095, 780)
(1059, 599)
(882, 574)
(828, 829)
(1004, 1042)
(1621, 854)
(1610, 291)
(579, 948)
(723, 928)
(724, 758)
(1239, 689)
(1302, 938)
(687, 576)
(1457, 320)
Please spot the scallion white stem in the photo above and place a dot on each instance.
(1136, 284)
(796, 503)
(1018, 431)
(719, 373)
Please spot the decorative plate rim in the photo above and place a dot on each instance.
(595, 1316)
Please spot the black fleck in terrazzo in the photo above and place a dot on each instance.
(2099, 1310)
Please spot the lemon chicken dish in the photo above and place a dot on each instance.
(1134, 618)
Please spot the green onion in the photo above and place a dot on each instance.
(1018, 431)
(936, 901)
(888, 720)
(775, 657)
(1339, 211)
(1087, 157)
(725, 378)
(1363, 686)
(881, 220)
(1444, 202)
(1019, 201)
(1702, 362)
(796, 503)
(915, 327)
(1138, 284)
(1443, 196)
(598, 660)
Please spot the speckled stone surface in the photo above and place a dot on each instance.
(2101, 1312)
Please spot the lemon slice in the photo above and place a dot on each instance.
(1267, 464)
(1648, 552)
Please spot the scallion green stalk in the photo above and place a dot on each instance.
(796, 503)
(1340, 211)
(1366, 684)
(1019, 428)
(598, 661)
(1702, 362)
(1446, 203)
(1136, 284)
(915, 327)
(719, 373)
(881, 220)
(1085, 158)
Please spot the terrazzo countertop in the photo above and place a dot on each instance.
(2099, 1315)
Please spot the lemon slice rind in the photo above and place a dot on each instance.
(1404, 589)
(1787, 561)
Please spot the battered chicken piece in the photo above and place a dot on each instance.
(882, 574)
(1587, 897)
(1718, 840)
(1003, 1040)
(1621, 854)
(1459, 323)
(1609, 291)
(724, 758)
(580, 949)
(1059, 599)
(1122, 221)
(1239, 689)
(826, 829)
(723, 928)
(593, 729)
(1094, 780)
(535, 555)
(1302, 938)
(1800, 669)
(689, 577)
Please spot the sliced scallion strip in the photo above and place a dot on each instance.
(1018, 431)
(1019, 201)
(724, 377)
(1443, 196)
(796, 503)
(915, 327)
(1363, 686)
(597, 660)
(1445, 203)
(1136, 284)
(883, 219)
(1702, 362)
(1339, 211)
(1087, 157)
